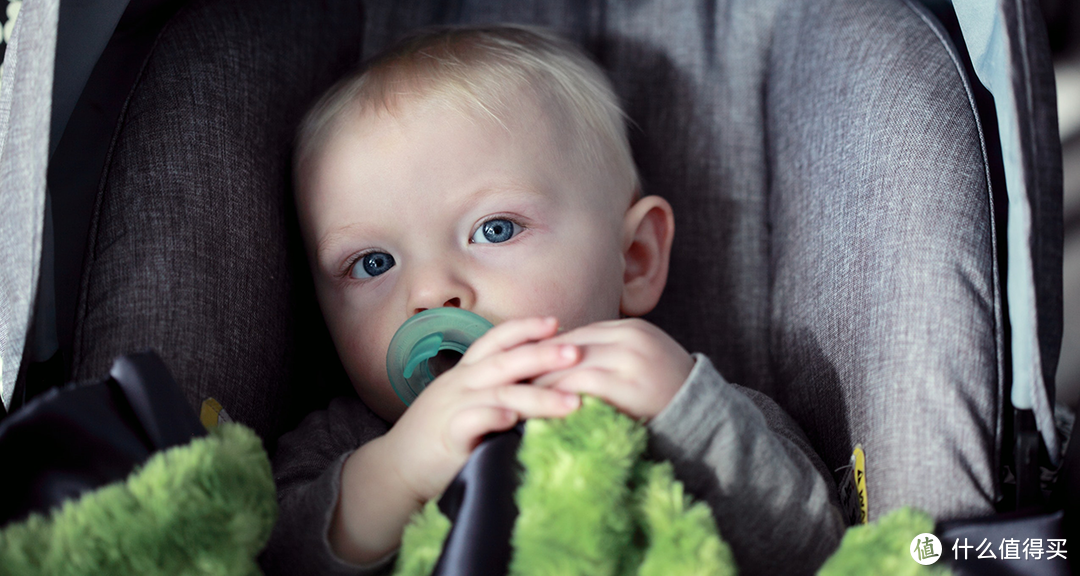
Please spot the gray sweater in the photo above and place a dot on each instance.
(774, 501)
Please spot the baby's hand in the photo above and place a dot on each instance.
(483, 393)
(630, 363)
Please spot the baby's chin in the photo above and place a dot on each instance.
(389, 410)
(379, 396)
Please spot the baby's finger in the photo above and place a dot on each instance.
(519, 364)
(508, 335)
(593, 381)
(632, 332)
(500, 407)
(468, 427)
(529, 401)
(623, 395)
(608, 357)
(593, 334)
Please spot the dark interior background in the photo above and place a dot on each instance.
(1063, 25)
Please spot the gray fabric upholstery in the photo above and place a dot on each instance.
(193, 250)
(25, 101)
(886, 320)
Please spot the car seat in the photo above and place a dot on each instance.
(840, 221)
(174, 169)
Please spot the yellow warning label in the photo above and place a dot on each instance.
(211, 414)
(859, 471)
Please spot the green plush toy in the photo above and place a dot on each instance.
(590, 504)
(204, 508)
(882, 548)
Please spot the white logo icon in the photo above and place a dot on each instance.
(925, 549)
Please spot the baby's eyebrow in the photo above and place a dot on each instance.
(502, 188)
(334, 237)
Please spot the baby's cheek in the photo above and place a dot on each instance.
(598, 288)
(577, 300)
(365, 363)
(357, 352)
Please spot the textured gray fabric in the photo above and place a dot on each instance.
(193, 249)
(25, 98)
(772, 499)
(307, 471)
(886, 320)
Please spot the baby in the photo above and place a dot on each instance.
(489, 169)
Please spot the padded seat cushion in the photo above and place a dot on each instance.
(886, 319)
(193, 249)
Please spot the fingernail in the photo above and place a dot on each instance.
(571, 401)
(550, 320)
(568, 351)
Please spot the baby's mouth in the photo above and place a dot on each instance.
(443, 361)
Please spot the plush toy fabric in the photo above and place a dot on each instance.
(883, 548)
(205, 508)
(590, 504)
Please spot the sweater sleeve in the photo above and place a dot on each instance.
(307, 470)
(773, 499)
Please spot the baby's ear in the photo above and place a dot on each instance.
(648, 229)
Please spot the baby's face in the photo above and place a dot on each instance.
(430, 208)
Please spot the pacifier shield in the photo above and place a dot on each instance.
(427, 345)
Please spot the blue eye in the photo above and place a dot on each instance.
(495, 231)
(371, 264)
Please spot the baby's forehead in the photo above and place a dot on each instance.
(530, 117)
(528, 82)
(519, 109)
(526, 117)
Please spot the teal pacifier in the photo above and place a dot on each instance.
(429, 344)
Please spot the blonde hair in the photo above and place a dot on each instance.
(480, 69)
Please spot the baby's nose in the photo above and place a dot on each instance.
(454, 302)
(435, 286)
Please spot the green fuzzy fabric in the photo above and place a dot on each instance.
(204, 508)
(882, 548)
(681, 533)
(575, 514)
(589, 504)
(422, 541)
